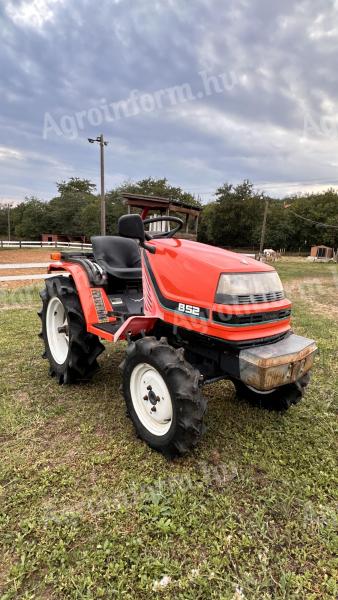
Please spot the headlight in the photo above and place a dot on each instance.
(243, 288)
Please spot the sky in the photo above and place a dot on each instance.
(201, 92)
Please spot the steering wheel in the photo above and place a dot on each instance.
(163, 234)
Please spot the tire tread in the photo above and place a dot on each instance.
(85, 347)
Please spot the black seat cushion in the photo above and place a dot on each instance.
(118, 256)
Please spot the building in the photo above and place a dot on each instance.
(56, 237)
(322, 253)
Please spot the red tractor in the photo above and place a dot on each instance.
(191, 314)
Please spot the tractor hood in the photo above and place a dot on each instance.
(191, 271)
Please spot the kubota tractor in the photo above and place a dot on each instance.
(190, 313)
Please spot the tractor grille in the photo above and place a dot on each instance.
(258, 298)
(249, 298)
(251, 319)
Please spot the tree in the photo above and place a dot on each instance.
(303, 214)
(159, 187)
(75, 186)
(89, 217)
(233, 219)
(3, 221)
(67, 211)
(208, 220)
(235, 216)
(29, 219)
(278, 232)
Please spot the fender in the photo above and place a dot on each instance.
(88, 296)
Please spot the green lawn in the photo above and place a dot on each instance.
(294, 268)
(89, 511)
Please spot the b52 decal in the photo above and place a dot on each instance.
(188, 309)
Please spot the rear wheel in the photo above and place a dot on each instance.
(163, 396)
(69, 348)
(279, 399)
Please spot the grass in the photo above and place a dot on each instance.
(89, 511)
(25, 296)
(300, 268)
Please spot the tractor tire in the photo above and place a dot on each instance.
(279, 399)
(69, 348)
(163, 396)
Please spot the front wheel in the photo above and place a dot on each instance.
(163, 396)
(279, 399)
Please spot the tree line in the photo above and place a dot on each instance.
(75, 210)
(232, 219)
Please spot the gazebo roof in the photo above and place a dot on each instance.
(160, 203)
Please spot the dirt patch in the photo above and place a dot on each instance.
(320, 294)
(17, 255)
(10, 285)
(25, 255)
(22, 256)
(19, 307)
(22, 398)
(35, 271)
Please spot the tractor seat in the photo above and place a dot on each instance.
(118, 256)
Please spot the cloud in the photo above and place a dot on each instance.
(275, 124)
(32, 13)
(9, 154)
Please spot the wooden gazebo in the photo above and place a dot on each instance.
(164, 206)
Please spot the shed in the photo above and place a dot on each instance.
(322, 253)
(56, 237)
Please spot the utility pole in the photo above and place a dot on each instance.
(103, 199)
(266, 208)
(100, 139)
(8, 206)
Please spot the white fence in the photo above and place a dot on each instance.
(28, 244)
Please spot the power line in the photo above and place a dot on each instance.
(314, 222)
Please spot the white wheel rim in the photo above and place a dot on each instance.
(266, 393)
(57, 330)
(149, 391)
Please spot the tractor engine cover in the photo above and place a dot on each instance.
(273, 365)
